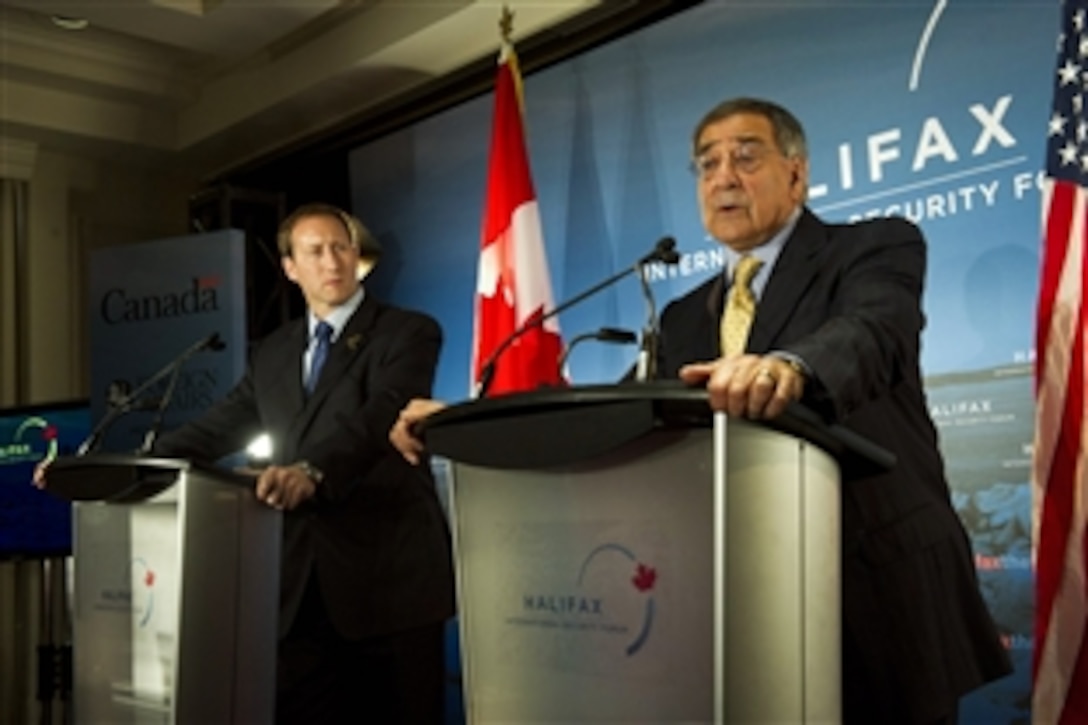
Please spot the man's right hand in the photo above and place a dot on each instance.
(284, 487)
(748, 386)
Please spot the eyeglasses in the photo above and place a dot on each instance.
(745, 158)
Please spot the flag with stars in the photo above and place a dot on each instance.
(1059, 477)
(512, 283)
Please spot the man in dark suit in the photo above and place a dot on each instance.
(836, 325)
(366, 576)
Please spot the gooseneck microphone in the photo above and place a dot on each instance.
(646, 367)
(613, 335)
(121, 401)
(213, 343)
(664, 251)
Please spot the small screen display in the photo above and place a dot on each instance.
(34, 523)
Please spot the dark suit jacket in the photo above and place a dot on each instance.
(847, 300)
(374, 534)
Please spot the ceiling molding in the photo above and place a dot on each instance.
(150, 80)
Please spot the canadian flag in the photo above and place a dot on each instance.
(512, 282)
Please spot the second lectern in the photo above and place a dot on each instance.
(625, 555)
(176, 592)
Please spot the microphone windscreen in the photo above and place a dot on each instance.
(615, 334)
(668, 253)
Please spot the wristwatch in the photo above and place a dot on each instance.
(794, 362)
(797, 367)
(313, 472)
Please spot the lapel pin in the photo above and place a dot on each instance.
(354, 341)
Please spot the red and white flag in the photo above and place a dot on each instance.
(512, 282)
(1060, 481)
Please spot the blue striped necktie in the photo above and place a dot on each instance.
(322, 338)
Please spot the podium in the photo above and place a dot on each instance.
(624, 554)
(175, 593)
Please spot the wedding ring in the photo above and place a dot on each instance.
(765, 373)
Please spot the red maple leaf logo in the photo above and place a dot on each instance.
(644, 578)
(49, 433)
(208, 281)
(149, 578)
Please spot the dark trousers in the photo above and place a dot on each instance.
(324, 678)
(869, 698)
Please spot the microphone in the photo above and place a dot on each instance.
(213, 343)
(612, 335)
(664, 251)
(646, 367)
(121, 401)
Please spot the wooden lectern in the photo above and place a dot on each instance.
(626, 555)
(176, 591)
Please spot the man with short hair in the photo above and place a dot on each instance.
(833, 319)
(366, 575)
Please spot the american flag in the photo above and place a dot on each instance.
(1060, 481)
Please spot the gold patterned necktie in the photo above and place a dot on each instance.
(740, 307)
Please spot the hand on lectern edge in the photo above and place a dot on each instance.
(39, 472)
(748, 386)
(403, 434)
